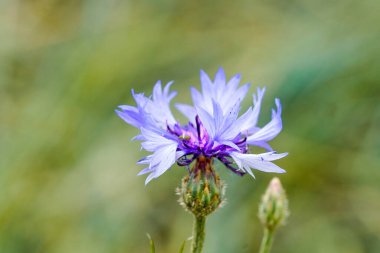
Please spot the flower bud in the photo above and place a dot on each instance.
(273, 209)
(202, 191)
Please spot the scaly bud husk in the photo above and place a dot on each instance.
(202, 191)
(273, 209)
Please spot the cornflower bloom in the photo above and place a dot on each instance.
(214, 131)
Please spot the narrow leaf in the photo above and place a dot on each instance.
(183, 245)
(151, 243)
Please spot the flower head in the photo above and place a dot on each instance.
(215, 130)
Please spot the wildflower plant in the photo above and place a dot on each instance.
(215, 131)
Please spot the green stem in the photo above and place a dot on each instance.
(198, 234)
(266, 243)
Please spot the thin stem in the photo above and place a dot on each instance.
(198, 234)
(266, 243)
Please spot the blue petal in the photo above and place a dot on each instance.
(226, 95)
(247, 122)
(160, 106)
(188, 111)
(207, 121)
(232, 97)
(220, 79)
(154, 140)
(157, 109)
(234, 82)
(196, 96)
(206, 84)
(146, 170)
(230, 144)
(260, 162)
(218, 118)
(229, 127)
(130, 117)
(270, 130)
(257, 105)
(161, 160)
(262, 144)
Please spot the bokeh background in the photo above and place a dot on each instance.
(67, 164)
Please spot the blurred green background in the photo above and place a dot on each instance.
(67, 168)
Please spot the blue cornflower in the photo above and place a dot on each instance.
(215, 130)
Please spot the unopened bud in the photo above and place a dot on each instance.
(273, 209)
(202, 191)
